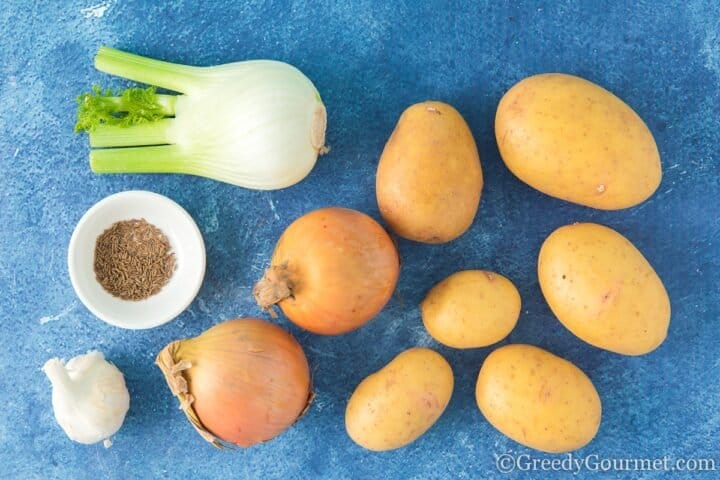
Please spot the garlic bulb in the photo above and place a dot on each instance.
(89, 397)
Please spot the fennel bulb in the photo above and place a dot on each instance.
(258, 124)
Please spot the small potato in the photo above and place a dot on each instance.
(471, 309)
(574, 140)
(429, 177)
(395, 405)
(603, 290)
(538, 399)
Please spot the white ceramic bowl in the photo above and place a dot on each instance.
(186, 242)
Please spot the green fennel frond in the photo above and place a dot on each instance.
(134, 106)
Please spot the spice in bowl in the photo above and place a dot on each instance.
(133, 259)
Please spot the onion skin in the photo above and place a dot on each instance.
(333, 270)
(246, 382)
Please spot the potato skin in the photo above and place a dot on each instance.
(471, 309)
(538, 399)
(603, 290)
(574, 140)
(429, 178)
(397, 404)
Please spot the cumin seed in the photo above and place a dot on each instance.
(133, 259)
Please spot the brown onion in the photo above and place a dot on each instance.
(333, 270)
(243, 382)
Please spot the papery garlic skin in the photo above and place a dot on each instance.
(89, 396)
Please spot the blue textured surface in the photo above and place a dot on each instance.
(370, 60)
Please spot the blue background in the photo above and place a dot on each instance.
(369, 60)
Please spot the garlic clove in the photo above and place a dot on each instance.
(90, 399)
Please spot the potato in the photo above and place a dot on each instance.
(395, 405)
(429, 177)
(574, 140)
(603, 290)
(538, 399)
(471, 309)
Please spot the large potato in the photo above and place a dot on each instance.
(429, 177)
(538, 399)
(603, 289)
(574, 140)
(398, 403)
(471, 309)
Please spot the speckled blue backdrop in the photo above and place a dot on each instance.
(370, 59)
